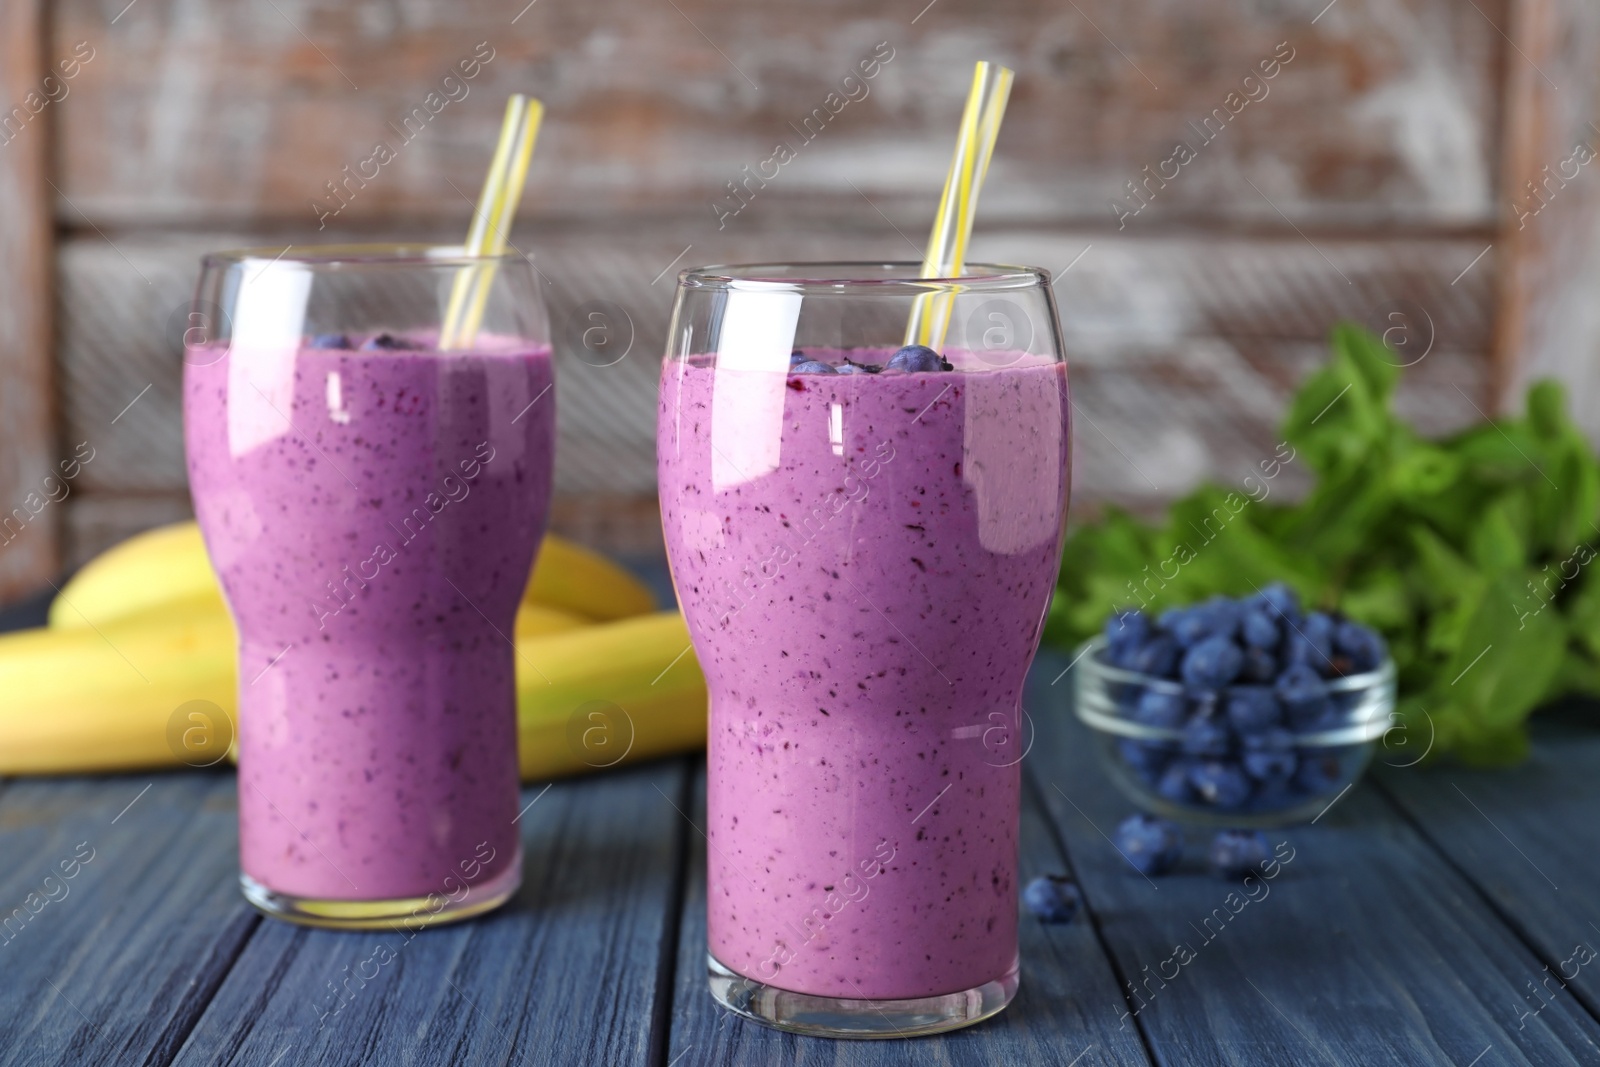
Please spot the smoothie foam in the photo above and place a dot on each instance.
(864, 561)
(373, 516)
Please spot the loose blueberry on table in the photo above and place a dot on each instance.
(1236, 853)
(1152, 845)
(1053, 898)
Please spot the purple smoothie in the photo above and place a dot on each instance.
(373, 516)
(865, 562)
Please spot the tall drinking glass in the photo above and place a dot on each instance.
(372, 505)
(864, 544)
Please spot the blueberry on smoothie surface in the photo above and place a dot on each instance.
(330, 340)
(917, 358)
(797, 357)
(811, 366)
(384, 342)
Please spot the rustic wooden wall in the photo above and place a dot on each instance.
(1551, 202)
(30, 513)
(1366, 179)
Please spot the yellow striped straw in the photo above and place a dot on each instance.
(491, 220)
(952, 227)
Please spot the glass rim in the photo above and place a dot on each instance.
(360, 255)
(834, 275)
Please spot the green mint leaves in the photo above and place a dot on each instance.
(1470, 554)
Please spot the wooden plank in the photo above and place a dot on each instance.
(1368, 947)
(28, 517)
(565, 974)
(115, 954)
(1384, 114)
(1525, 836)
(1550, 208)
(1067, 1006)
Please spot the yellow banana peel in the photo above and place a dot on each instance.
(145, 690)
(169, 564)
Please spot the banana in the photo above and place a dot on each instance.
(85, 700)
(582, 581)
(170, 564)
(593, 698)
(100, 700)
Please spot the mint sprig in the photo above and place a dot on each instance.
(1473, 555)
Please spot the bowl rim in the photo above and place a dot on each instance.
(1367, 722)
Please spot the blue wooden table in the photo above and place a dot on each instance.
(1431, 917)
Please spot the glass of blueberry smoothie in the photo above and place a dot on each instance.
(864, 537)
(372, 497)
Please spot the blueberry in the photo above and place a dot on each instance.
(1157, 656)
(1227, 615)
(798, 356)
(1364, 647)
(384, 342)
(1206, 737)
(1163, 711)
(1145, 758)
(1190, 626)
(1259, 665)
(1305, 697)
(1212, 663)
(812, 366)
(1220, 783)
(852, 367)
(1152, 845)
(1318, 773)
(1202, 702)
(1274, 794)
(1301, 686)
(1269, 755)
(330, 340)
(917, 358)
(1311, 643)
(1126, 629)
(1173, 785)
(1279, 600)
(1236, 853)
(1252, 708)
(1259, 629)
(1053, 898)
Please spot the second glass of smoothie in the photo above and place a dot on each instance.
(864, 540)
(372, 503)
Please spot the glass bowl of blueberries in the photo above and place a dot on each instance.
(1245, 712)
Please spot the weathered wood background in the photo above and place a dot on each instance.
(1381, 175)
